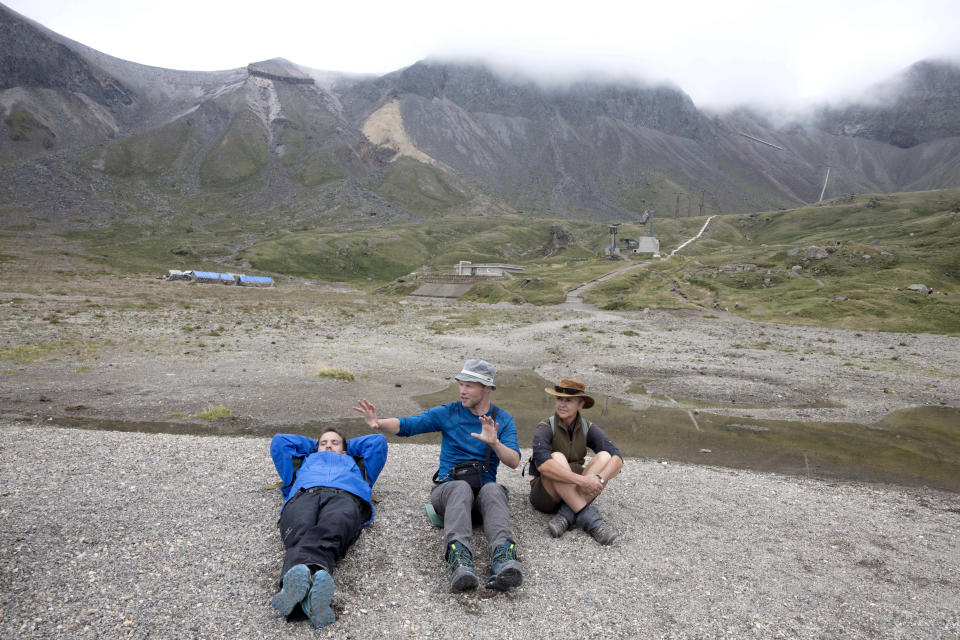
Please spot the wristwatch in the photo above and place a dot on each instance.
(602, 481)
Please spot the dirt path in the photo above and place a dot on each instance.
(574, 298)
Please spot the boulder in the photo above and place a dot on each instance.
(919, 288)
(815, 253)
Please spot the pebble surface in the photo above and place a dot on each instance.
(130, 535)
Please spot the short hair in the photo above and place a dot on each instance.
(343, 438)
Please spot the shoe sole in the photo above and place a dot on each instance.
(321, 593)
(463, 580)
(296, 584)
(510, 576)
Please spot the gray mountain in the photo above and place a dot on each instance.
(87, 139)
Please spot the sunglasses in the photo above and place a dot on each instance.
(568, 390)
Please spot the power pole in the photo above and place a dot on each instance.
(703, 193)
(824, 190)
(677, 214)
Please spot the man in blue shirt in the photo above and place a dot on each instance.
(474, 431)
(327, 486)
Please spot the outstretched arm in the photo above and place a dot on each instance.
(369, 413)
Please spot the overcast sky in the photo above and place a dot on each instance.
(766, 52)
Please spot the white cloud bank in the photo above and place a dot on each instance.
(769, 53)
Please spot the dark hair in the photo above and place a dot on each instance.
(343, 438)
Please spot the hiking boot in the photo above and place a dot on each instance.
(463, 576)
(317, 603)
(505, 571)
(558, 525)
(296, 584)
(604, 533)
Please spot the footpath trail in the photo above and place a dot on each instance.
(574, 298)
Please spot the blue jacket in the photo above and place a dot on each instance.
(456, 423)
(326, 468)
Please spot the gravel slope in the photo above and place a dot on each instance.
(128, 535)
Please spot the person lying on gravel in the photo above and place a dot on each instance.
(465, 484)
(327, 486)
(560, 482)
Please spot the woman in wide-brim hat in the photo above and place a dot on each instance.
(563, 482)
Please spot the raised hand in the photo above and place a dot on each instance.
(369, 412)
(488, 430)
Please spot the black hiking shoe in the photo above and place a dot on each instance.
(604, 533)
(505, 570)
(463, 576)
(558, 525)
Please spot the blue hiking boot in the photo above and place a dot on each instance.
(505, 570)
(296, 584)
(463, 576)
(317, 603)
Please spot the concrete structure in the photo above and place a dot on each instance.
(647, 244)
(495, 270)
(442, 290)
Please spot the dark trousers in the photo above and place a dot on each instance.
(317, 527)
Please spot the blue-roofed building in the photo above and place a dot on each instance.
(206, 276)
(215, 277)
(254, 281)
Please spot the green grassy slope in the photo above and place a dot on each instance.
(876, 246)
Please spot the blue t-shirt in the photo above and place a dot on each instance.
(456, 423)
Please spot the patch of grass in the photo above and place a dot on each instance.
(28, 352)
(240, 153)
(420, 187)
(215, 413)
(335, 373)
(148, 154)
(492, 292)
(23, 127)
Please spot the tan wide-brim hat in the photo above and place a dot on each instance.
(569, 388)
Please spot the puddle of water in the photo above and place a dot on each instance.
(916, 446)
(715, 404)
(350, 427)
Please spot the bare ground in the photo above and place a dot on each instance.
(706, 552)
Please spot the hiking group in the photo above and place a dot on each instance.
(327, 486)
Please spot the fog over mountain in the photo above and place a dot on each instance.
(87, 139)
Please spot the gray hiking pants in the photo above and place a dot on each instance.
(455, 502)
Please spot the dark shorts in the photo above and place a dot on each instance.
(541, 499)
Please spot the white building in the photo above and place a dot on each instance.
(467, 268)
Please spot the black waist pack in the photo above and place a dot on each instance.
(470, 472)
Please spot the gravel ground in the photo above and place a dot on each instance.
(130, 535)
(115, 535)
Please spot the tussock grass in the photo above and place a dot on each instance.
(215, 413)
(335, 373)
